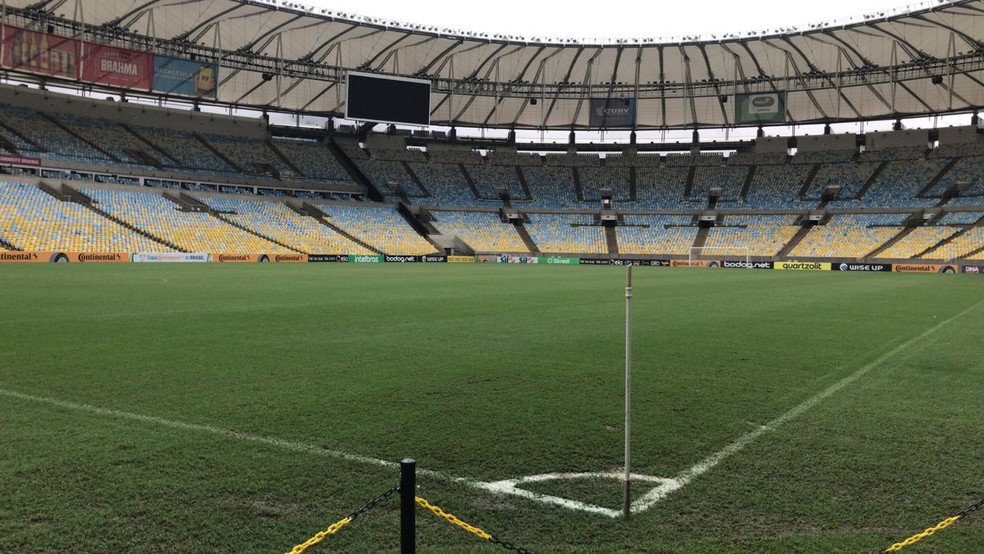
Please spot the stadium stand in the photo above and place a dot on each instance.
(275, 221)
(917, 241)
(190, 231)
(551, 187)
(488, 177)
(39, 136)
(656, 196)
(967, 244)
(656, 235)
(378, 226)
(483, 231)
(849, 236)
(446, 184)
(763, 235)
(314, 160)
(566, 233)
(658, 189)
(31, 219)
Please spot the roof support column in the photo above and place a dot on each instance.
(895, 73)
(635, 99)
(951, 51)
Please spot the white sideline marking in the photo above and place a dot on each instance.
(663, 486)
(708, 463)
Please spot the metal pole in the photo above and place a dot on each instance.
(626, 508)
(408, 506)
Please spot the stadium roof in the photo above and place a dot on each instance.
(925, 60)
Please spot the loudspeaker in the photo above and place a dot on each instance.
(937, 79)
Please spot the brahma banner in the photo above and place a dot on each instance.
(19, 160)
(38, 52)
(117, 67)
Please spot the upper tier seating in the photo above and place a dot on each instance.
(313, 159)
(446, 183)
(552, 187)
(488, 177)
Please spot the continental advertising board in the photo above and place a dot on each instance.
(924, 268)
(14, 256)
(260, 258)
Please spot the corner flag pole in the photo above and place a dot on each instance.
(626, 508)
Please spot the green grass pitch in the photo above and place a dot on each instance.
(207, 408)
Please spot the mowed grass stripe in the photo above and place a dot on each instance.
(491, 372)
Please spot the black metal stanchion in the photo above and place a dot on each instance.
(408, 506)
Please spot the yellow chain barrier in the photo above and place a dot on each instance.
(452, 519)
(920, 536)
(321, 535)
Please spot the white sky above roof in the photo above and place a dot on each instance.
(606, 19)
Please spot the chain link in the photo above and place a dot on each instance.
(509, 546)
(920, 536)
(932, 530)
(974, 508)
(337, 526)
(454, 520)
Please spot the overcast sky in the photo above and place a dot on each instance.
(607, 19)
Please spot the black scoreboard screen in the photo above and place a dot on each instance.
(387, 99)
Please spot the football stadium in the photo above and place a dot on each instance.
(282, 278)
